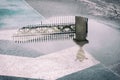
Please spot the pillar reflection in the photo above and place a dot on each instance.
(81, 56)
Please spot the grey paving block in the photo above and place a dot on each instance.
(97, 72)
(15, 78)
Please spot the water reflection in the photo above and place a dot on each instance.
(81, 53)
(44, 37)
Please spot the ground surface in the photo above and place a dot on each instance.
(36, 61)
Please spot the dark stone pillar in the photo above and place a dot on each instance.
(81, 28)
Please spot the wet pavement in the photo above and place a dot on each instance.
(16, 13)
(15, 78)
(103, 46)
(11, 48)
(104, 41)
(97, 72)
(105, 11)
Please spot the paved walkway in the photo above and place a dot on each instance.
(103, 61)
(48, 67)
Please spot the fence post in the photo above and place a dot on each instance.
(81, 28)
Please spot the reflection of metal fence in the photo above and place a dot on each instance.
(45, 33)
(64, 28)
